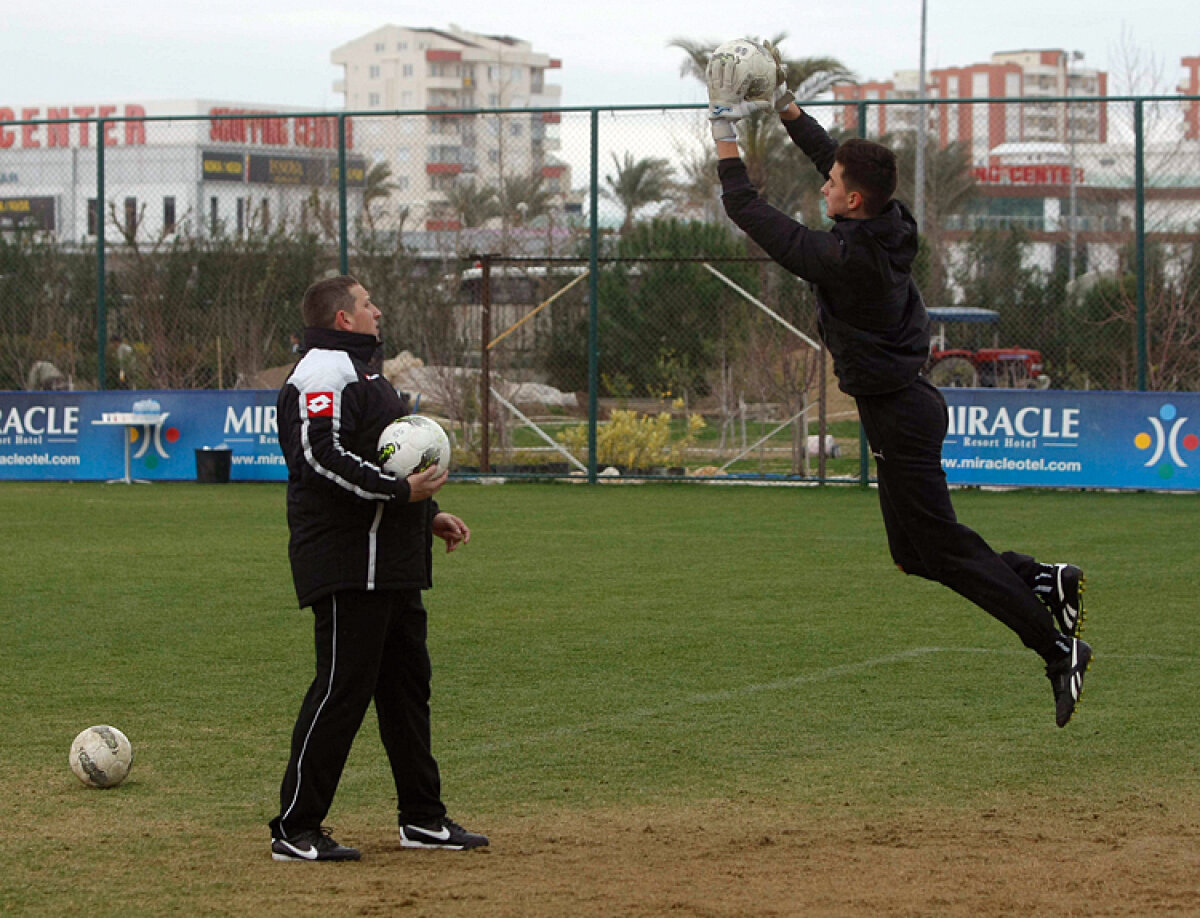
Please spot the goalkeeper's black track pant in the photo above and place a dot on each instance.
(905, 430)
(369, 645)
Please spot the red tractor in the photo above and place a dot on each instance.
(991, 367)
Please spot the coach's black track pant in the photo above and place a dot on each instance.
(369, 645)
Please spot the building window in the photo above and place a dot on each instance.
(168, 215)
(380, 47)
(401, 46)
(131, 216)
(514, 129)
(373, 99)
(373, 72)
(213, 215)
(407, 70)
(93, 218)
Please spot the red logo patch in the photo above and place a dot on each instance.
(318, 404)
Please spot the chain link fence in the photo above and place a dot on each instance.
(570, 275)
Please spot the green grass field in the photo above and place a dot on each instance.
(608, 649)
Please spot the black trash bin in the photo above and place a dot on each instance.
(213, 465)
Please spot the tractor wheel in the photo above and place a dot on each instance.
(954, 373)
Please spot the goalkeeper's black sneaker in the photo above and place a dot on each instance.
(1066, 678)
(442, 833)
(313, 845)
(1060, 587)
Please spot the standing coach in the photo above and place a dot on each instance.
(361, 551)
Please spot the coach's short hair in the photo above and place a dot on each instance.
(325, 298)
(870, 169)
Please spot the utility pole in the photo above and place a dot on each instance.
(919, 170)
(1071, 208)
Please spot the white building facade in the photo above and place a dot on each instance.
(418, 70)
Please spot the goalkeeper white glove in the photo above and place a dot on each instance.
(783, 96)
(728, 79)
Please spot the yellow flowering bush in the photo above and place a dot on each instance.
(633, 440)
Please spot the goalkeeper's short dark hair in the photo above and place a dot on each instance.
(870, 169)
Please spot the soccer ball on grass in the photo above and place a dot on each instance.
(101, 756)
(413, 444)
(758, 64)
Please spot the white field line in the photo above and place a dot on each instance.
(690, 701)
(823, 675)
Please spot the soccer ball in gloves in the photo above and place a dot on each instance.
(757, 70)
(413, 444)
(101, 756)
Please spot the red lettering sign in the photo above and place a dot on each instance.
(1026, 175)
(82, 111)
(7, 137)
(29, 131)
(58, 135)
(135, 131)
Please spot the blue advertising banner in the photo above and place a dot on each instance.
(86, 436)
(1033, 438)
(1004, 437)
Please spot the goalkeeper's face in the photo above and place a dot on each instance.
(839, 201)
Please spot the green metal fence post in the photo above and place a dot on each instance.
(101, 306)
(1139, 167)
(593, 297)
(344, 253)
(864, 458)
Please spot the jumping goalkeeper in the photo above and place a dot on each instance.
(873, 321)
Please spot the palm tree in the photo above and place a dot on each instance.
(698, 189)
(638, 182)
(764, 148)
(808, 77)
(949, 188)
(472, 204)
(379, 187)
(524, 197)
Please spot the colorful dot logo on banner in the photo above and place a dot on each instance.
(1164, 441)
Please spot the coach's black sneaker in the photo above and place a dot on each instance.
(1066, 678)
(441, 833)
(313, 845)
(1060, 587)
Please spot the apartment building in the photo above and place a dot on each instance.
(1026, 77)
(1191, 87)
(400, 69)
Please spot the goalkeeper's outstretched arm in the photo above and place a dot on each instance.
(810, 137)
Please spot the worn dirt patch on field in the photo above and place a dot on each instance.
(722, 860)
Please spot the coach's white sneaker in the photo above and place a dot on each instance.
(442, 833)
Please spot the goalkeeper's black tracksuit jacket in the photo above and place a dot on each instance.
(360, 555)
(873, 321)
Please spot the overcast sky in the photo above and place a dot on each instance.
(613, 51)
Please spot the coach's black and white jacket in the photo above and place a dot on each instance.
(352, 526)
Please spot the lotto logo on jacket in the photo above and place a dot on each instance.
(318, 404)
